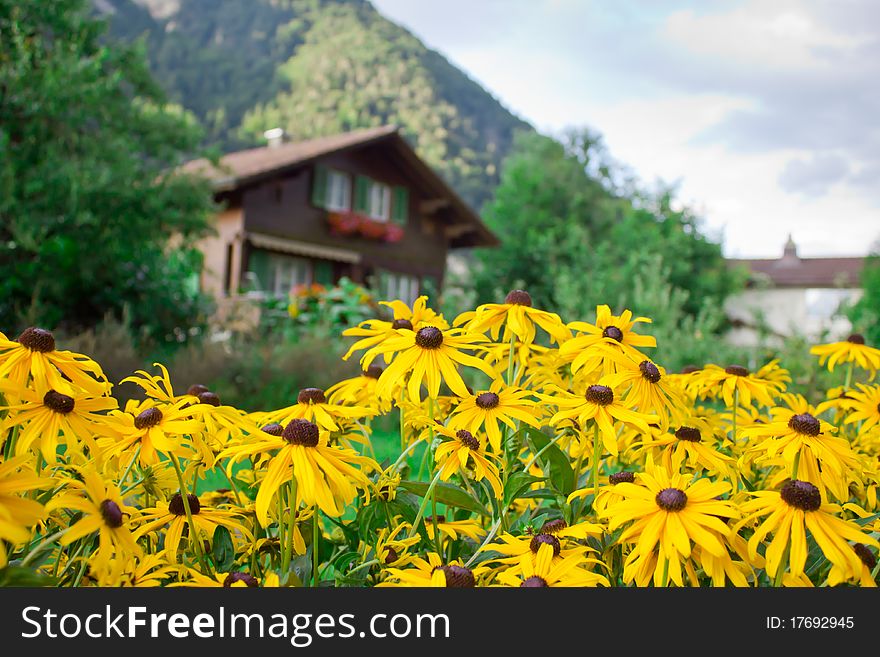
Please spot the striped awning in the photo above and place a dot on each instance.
(295, 247)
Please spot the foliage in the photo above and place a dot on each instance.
(317, 67)
(86, 146)
(865, 313)
(576, 227)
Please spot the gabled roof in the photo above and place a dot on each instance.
(243, 168)
(793, 271)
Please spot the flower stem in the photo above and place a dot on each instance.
(194, 534)
(402, 418)
(783, 564)
(428, 494)
(42, 547)
(287, 549)
(596, 456)
(130, 465)
(664, 582)
(404, 454)
(316, 538)
(485, 542)
(848, 380)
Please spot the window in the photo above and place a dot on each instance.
(399, 286)
(286, 272)
(379, 202)
(338, 191)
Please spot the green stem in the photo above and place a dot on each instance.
(537, 455)
(428, 493)
(316, 536)
(783, 564)
(402, 418)
(431, 490)
(735, 408)
(195, 540)
(596, 457)
(42, 547)
(404, 454)
(794, 468)
(366, 564)
(664, 582)
(292, 505)
(232, 485)
(485, 542)
(130, 465)
(848, 380)
(281, 542)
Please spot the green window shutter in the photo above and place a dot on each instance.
(361, 193)
(400, 209)
(319, 187)
(258, 263)
(323, 270)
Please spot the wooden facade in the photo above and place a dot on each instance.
(399, 219)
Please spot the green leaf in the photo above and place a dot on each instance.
(223, 551)
(446, 494)
(17, 576)
(517, 484)
(561, 473)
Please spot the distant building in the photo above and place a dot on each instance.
(794, 295)
(360, 204)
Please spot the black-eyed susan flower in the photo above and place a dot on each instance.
(543, 570)
(34, 356)
(518, 318)
(599, 404)
(461, 454)
(430, 355)
(616, 332)
(50, 418)
(171, 516)
(147, 571)
(646, 388)
(852, 350)
(432, 572)
(312, 405)
(667, 514)
(375, 331)
(735, 381)
(103, 512)
(454, 529)
(792, 511)
(149, 429)
(327, 477)
(232, 579)
(358, 390)
(863, 405)
(500, 403)
(684, 448)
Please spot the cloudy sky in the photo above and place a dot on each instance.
(766, 113)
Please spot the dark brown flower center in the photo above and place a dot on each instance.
(273, 429)
(553, 526)
(613, 332)
(855, 338)
(373, 371)
(302, 432)
(600, 395)
(541, 539)
(864, 553)
(209, 398)
(196, 389)
(801, 495)
(429, 337)
(467, 439)
(622, 477)
(487, 400)
(391, 554)
(458, 577)
(518, 298)
(111, 513)
(402, 324)
(37, 339)
(149, 417)
(805, 424)
(737, 370)
(671, 499)
(232, 578)
(57, 402)
(691, 434)
(175, 505)
(649, 371)
(534, 582)
(311, 396)
(429, 520)
(688, 369)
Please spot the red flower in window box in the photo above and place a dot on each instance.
(343, 222)
(394, 233)
(372, 229)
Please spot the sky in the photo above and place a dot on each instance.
(765, 114)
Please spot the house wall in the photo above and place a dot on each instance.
(229, 226)
(282, 207)
(812, 312)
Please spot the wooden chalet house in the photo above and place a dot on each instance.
(360, 204)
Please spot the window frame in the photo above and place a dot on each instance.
(329, 200)
(384, 212)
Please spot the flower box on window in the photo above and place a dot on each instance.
(393, 233)
(344, 222)
(372, 229)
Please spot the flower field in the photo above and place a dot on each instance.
(532, 452)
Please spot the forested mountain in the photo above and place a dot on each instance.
(317, 67)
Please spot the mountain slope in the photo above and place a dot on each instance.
(317, 67)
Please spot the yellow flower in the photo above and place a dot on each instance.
(17, 513)
(311, 404)
(463, 452)
(499, 403)
(231, 579)
(33, 354)
(600, 404)
(864, 407)
(670, 513)
(614, 331)
(104, 512)
(431, 355)
(454, 528)
(358, 390)
(792, 511)
(434, 573)
(326, 476)
(647, 387)
(374, 332)
(518, 318)
(685, 447)
(153, 429)
(150, 570)
(736, 378)
(852, 350)
(541, 570)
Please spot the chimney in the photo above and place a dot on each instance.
(274, 137)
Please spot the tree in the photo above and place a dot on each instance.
(577, 230)
(93, 217)
(865, 313)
